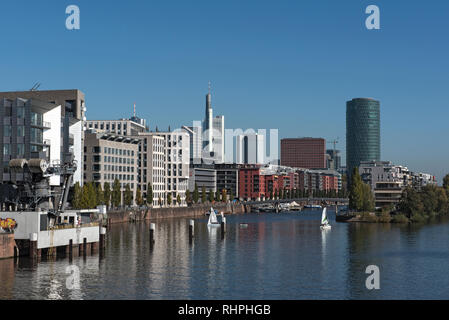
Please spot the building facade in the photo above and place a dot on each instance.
(362, 132)
(108, 157)
(228, 179)
(203, 175)
(213, 135)
(164, 160)
(308, 153)
(71, 115)
(124, 127)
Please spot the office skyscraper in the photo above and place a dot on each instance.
(362, 132)
(213, 134)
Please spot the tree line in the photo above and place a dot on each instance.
(415, 205)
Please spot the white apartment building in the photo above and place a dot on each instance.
(164, 161)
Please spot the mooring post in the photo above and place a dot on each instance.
(70, 249)
(33, 245)
(84, 246)
(152, 231)
(223, 225)
(191, 229)
(102, 238)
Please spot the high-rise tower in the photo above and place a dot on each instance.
(362, 132)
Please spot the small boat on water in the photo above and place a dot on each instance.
(312, 206)
(213, 221)
(324, 221)
(207, 213)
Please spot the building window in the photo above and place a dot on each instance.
(6, 149)
(20, 131)
(20, 149)
(7, 131)
(20, 112)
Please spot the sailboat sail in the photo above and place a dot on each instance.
(324, 220)
(212, 217)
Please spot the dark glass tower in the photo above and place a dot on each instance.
(362, 131)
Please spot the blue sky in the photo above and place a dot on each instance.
(290, 65)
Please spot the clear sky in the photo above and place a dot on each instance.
(290, 65)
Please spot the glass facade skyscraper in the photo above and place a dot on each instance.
(362, 132)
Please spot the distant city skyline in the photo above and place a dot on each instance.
(290, 65)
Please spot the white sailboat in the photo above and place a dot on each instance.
(324, 221)
(213, 221)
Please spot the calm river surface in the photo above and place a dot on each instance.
(279, 256)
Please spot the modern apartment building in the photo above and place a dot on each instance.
(68, 122)
(124, 127)
(387, 181)
(362, 132)
(307, 153)
(108, 156)
(203, 175)
(164, 161)
(333, 159)
(228, 178)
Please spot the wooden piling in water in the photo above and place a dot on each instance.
(191, 229)
(152, 231)
(102, 238)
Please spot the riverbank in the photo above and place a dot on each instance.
(372, 217)
(197, 211)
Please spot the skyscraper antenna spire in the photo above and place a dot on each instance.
(134, 109)
(209, 86)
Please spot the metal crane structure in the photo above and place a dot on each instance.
(334, 142)
(34, 192)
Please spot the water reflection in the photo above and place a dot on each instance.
(278, 256)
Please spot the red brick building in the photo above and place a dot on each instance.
(251, 182)
(307, 153)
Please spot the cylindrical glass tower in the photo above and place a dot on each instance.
(362, 132)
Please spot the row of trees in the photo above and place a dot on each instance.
(195, 197)
(429, 202)
(415, 205)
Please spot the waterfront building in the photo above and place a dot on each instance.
(152, 167)
(387, 181)
(123, 127)
(164, 160)
(108, 156)
(64, 110)
(362, 132)
(251, 182)
(228, 178)
(203, 175)
(308, 153)
(250, 149)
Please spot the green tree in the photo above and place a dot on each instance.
(196, 194)
(159, 201)
(281, 194)
(178, 199)
(368, 203)
(203, 194)
(107, 194)
(77, 196)
(100, 194)
(169, 199)
(116, 196)
(271, 194)
(356, 191)
(217, 196)
(188, 197)
(224, 195)
(150, 194)
(211, 196)
(231, 195)
(91, 195)
(139, 199)
(446, 182)
(128, 196)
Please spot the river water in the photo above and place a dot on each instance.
(278, 256)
